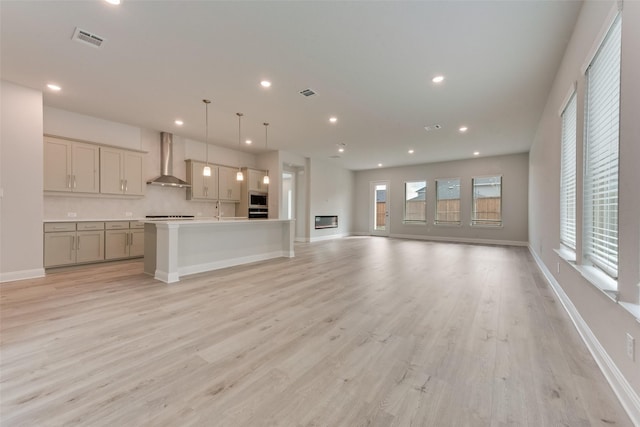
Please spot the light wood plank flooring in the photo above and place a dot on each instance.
(352, 332)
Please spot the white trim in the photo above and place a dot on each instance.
(329, 237)
(460, 240)
(606, 26)
(621, 387)
(232, 262)
(566, 254)
(448, 224)
(21, 275)
(634, 309)
(165, 277)
(301, 240)
(563, 105)
(372, 209)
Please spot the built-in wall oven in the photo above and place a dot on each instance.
(258, 205)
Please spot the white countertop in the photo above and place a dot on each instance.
(93, 220)
(203, 221)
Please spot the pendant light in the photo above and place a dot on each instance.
(239, 175)
(265, 180)
(206, 171)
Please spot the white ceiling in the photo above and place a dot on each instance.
(371, 64)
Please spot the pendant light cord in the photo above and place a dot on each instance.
(239, 175)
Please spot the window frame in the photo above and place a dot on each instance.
(448, 223)
(485, 223)
(601, 190)
(569, 173)
(424, 209)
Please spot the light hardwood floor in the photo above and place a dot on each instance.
(352, 332)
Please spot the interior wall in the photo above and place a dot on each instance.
(608, 321)
(294, 162)
(513, 169)
(21, 175)
(157, 200)
(270, 161)
(331, 193)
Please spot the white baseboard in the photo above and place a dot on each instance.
(21, 275)
(460, 240)
(329, 237)
(621, 387)
(232, 262)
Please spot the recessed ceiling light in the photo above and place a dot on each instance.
(54, 87)
(476, 153)
(265, 83)
(411, 151)
(179, 122)
(116, 2)
(248, 142)
(333, 119)
(438, 79)
(341, 150)
(379, 165)
(463, 129)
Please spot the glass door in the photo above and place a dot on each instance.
(379, 208)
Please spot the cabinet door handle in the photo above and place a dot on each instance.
(131, 239)
(74, 181)
(126, 185)
(68, 181)
(78, 245)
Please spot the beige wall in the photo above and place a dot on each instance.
(513, 169)
(607, 321)
(21, 174)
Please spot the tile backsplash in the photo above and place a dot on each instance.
(157, 201)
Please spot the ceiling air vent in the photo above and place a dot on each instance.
(432, 127)
(307, 92)
(87, 37)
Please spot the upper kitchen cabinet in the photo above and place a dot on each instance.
(229, 187)
(121, 172)
(70, 166)
(202, 187)
(255, 180)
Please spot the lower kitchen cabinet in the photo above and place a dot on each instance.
(59, 248)
(124, 239)
(73, 243)
(68, 243)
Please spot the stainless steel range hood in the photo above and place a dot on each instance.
(166, 178)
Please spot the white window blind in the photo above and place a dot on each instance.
(568, 175)
(601, 154)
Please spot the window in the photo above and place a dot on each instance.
(448, 201)
(600, 245)
(415, 201)
(487, 201)
(568, 175)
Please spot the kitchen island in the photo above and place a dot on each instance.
(176, 248)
